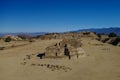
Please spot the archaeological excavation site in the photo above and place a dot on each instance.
(59, 55)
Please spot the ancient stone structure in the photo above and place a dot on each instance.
(111, 40)
(68, 35)
(67, 47)
(114, 41)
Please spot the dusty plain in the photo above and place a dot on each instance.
(101, 63)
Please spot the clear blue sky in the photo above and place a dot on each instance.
(57, 15)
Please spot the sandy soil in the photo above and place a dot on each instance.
(9, 45)
(102, 63)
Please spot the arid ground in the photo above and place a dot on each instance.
(101, 63)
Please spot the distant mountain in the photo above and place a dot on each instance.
(99, 30)
(23, 33)
(102, 30)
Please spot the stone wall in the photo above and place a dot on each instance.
(58, 49)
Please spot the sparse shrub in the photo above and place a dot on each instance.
(25, 36)
(38, 36)
(8, 39)
(99, 35)
(22, 37)
(115, 41)
(48, 34)
(94, 32)
(31, 40)
(104, 40)
(112, 35)
(86, 33)
(2, 48)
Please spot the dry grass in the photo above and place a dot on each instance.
(99, 65)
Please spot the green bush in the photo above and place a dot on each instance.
(112, 35)
(99, 35)
(2, 48)
(8, 39)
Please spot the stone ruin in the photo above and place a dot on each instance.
(67, 47)
(114, 41)
(111, 40)
(68, 35)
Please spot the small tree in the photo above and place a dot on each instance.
(112, 35)
(99, 35)
(8, 39)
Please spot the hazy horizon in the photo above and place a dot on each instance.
(57, 15)
(59, 31)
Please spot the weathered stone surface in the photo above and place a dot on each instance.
(68, 35)
(59, 49)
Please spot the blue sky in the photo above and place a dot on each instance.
(57, 15)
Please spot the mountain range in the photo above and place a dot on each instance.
(102, 30)
(23, 33)
(97, 30)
